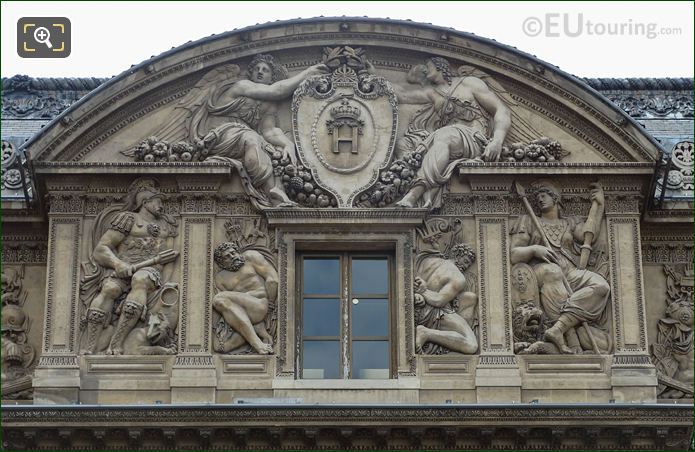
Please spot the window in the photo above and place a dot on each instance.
(345, 307)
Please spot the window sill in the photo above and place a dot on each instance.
(402, 383)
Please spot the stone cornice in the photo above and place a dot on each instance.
(222, 415)
(84, 168)
(341, 427)
(557, 168)
(29, 84)
(308, 217)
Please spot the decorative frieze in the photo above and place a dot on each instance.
(57, 361)
(200, 203)
(493, 204)
(628, 204)
(643, 105)
(234, 204)
(193, 361)
(20, 249)
(65, 203)
(665, 253)
(314, 428)
(456, 204)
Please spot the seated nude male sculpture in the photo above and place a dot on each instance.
(248, 283)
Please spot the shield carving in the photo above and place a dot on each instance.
(345, 128)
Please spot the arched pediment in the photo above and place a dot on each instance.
(144, 99)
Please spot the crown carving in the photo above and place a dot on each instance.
(345, 111)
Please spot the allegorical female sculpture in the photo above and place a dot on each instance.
(572, 297)
(227, 117)
(469, 122)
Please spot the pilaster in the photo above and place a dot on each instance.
(193, 375)
(497, 377)
(57, 375)
(633, 375)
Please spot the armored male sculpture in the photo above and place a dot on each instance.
(132, 252)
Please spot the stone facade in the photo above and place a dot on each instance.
(159, 235)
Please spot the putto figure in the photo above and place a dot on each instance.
(247, 284)
(440, 298)
(572, 297)
(468, 122)
(128, 259)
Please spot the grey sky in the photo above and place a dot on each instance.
(614, 39)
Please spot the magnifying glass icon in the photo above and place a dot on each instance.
(43, 36)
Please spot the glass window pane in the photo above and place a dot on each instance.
(321, 359)
(370, 317)
(370, 276)
(321, 317)
(322, 276)
(370, 359)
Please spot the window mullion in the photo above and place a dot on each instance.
(345, 305)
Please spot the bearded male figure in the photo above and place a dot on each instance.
(247, 284)
(441, 299)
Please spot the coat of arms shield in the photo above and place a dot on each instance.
(344, 127)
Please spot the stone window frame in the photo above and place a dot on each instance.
(399, 243)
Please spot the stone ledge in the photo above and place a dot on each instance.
(461, 414)
(557, 168)
(83, 168)
(330, 216)
(375, 427)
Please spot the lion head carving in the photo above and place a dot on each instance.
(160, 331)
(528, 323)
